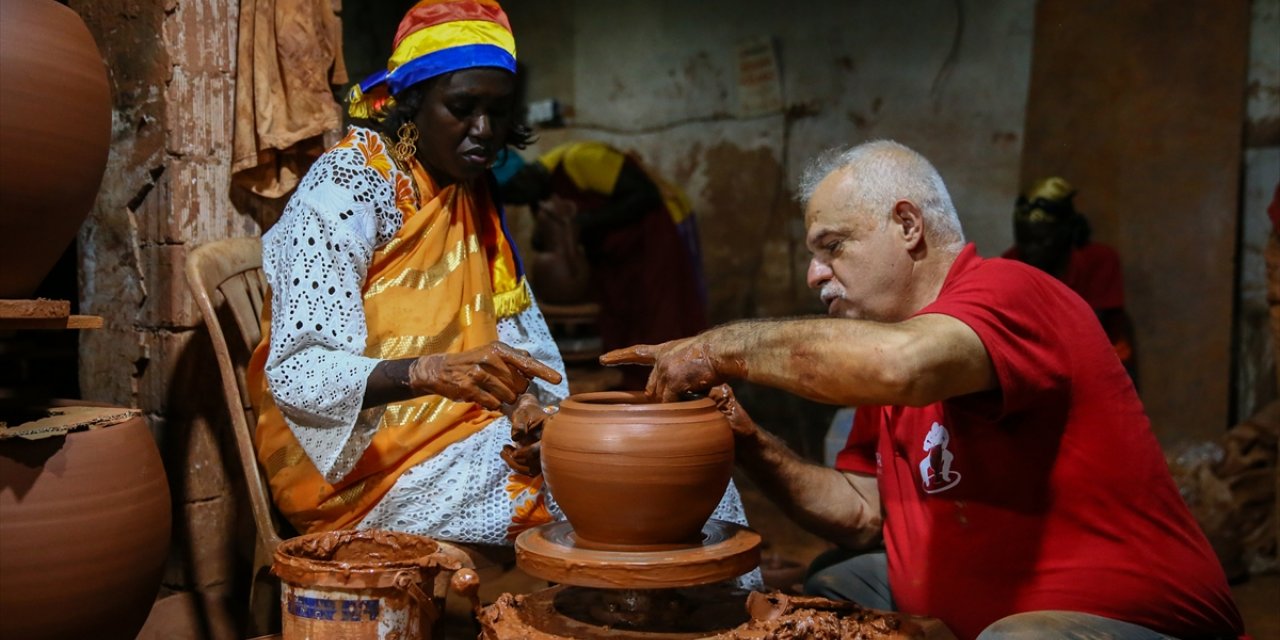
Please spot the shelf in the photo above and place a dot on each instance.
(43, 314)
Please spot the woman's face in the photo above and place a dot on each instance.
(464, 121)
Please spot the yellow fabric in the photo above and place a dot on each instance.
(592, 166)
(595, 166)
(427, 291)
(1052, 188)
(449, 35)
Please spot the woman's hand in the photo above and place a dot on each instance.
(489, 376)
(525, 456)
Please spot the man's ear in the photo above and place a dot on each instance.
(909, 221)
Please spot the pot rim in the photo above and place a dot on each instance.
(630, 400)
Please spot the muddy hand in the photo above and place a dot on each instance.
(679, 367)
(488, 376)
(527, 419)
(727, 403)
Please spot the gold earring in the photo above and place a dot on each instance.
(407, 143)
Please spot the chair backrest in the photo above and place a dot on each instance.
(227, 280)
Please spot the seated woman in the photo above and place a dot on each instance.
(400, 334)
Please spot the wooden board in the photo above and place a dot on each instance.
(43, 314)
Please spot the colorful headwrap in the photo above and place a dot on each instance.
(436, 37)
(1048, 201)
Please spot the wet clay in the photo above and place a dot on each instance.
(629, 472)
(781, 617)
(356, 559)
(363, 585)
(724, 551)
(572, 612)
(714, 612)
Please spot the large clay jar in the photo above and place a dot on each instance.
(55, 128)
(629, 472)
(84, 531)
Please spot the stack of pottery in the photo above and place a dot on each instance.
(84, 512)
(635, 474)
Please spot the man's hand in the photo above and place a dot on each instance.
(488, 376)
(527, 419)
(679, 367)
(739, 421)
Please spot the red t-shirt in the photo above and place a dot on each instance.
(1049, 493)
(1093, 271)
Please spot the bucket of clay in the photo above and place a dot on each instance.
(364, 585)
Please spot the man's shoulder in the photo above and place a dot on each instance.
(994, 275)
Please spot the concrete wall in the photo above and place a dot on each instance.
(948, 78)
(1255, 367)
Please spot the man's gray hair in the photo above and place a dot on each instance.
(885, 172)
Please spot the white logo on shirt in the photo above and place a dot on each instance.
(935, 470)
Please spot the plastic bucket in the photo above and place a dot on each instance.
(360, 585)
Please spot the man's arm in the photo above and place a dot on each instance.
(843, 508)
(833, 360)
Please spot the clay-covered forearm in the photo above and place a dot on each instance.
(856, 362)
(821, 499)
(835, 361)
(489, 375)
(388, 383)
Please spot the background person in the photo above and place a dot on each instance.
(598, 206)
(999, 447)
(1052, 236)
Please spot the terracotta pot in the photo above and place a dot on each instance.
(84, 532)
(55, 128)
(633, 473)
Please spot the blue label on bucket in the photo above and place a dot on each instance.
(335, 610)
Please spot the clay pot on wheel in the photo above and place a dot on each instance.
(629, 472)
(55, 128)
(84, 532)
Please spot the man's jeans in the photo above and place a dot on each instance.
(864, 579)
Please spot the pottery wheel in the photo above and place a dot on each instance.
(551, 552)
(574, 612)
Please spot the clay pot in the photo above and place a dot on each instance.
(84, 532)
(55, 128)
(629, 472)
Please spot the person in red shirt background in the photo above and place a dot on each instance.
(999, 449)
(1052, 236)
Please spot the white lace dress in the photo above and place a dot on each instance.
(315, 260)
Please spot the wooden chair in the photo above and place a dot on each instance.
(226, 279)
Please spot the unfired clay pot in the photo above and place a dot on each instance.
(629, 472)
(55, 128)
(84, 532)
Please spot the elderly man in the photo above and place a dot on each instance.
(999, 446)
